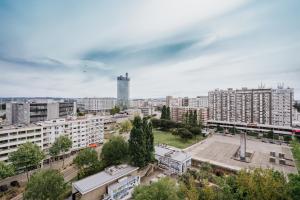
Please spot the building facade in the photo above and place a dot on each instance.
(114, 183)
(175, 161)
(178, 114)
(258, 106)
(123, 85)
(82, 131)
(96, 104)
(30, 112)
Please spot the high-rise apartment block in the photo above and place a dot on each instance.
(198, 102)
(258, 106)
(83, 132)
(31, 112)
(96, 104)
(123, 91)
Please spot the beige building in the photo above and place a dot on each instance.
(114, 183)
(178, 113)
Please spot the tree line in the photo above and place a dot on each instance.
(210, 184)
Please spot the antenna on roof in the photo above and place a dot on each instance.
(261, 86)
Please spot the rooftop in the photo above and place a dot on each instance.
(165, 151)
(108, 175)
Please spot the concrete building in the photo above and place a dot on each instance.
(198, 102)
(147, 111)
(123, 91)
(96, 104)
(178, 113)
(175, 161)
(31, 112)
(82, 131)
(172, 101)
(258, 106)
(114, 183)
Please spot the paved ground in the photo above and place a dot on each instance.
(219, 150)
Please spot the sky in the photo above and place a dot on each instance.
(73, 48)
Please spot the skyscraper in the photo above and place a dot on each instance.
(123, 91)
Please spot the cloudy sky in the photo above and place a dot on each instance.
(72, 48)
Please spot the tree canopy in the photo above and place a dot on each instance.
(62, 144)
(6, 170)
(125, 126)
(164, 189)
(27, 156)
(141, 143)
(115, 151)
(86, 158)
(115, 110)
(45, 185)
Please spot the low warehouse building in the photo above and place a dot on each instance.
(114, 183)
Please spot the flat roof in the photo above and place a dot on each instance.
(97, 180)
(172, 153)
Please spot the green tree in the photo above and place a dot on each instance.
(86, 158)
(195, 130)
(45, 185)
(6, 170)
(168, 114)
(115, 151)
(195, 120)
(115, 110)
(137, 143)
(27, 156)
(53, 152)
(293, 186)
(191, 118)
(185, 133)
(261, 184)
(163, 112)
(63, 143)
(126, 126)
(164, 189)
(149, 137)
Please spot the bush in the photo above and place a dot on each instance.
(3, 188)
(287, 138)
(14, 184)
(195, 130)
(184, 133)
(254, 134)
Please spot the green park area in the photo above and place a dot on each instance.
(166, 137)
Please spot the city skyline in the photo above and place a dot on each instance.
(64, 49)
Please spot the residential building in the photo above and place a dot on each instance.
(185, 101)
(83, 132)
(114, 183)
(96, 104)
(178, 113)
(258, 106)
(123, 91)
(175, 161)
(198, 102)
(31, 112)
(147, 111)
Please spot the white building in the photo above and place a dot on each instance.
(147, 111)
(96, 104)
(175, 161)
(256, 106)
(83, 132)
(198, 102)
(114, 183)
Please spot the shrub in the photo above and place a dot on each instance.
(195, 130)
(15, 184)
(3, 188)
(184, 133)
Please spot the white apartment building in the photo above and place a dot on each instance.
(96, 104)
(175, 161)
(199, 101)
(82, 131)
(147, 111)
(258, 106)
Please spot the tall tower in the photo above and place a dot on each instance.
(123, 91)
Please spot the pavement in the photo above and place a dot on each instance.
(219, 150)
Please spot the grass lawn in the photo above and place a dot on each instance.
(172, 140)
